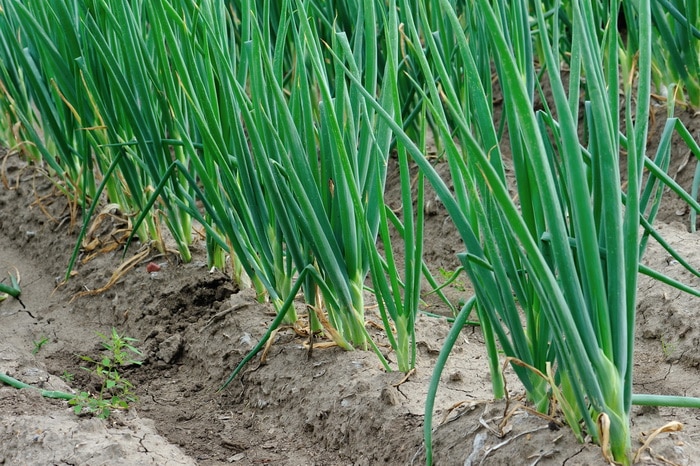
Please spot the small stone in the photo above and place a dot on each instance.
(236, 457)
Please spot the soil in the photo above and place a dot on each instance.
(330, 407)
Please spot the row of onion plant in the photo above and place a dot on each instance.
(236, 118)
(555, 275)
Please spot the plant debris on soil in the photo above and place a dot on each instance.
(325, 407)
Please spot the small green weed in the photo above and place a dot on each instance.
(668, 348)
(39, 344)
(116, 392)
(450, 277)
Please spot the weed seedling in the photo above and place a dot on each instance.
(116, 392)
(668, 348)
(450, 277)
(39, 344)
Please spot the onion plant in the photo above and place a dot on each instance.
(398, 300)
(13, 289)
